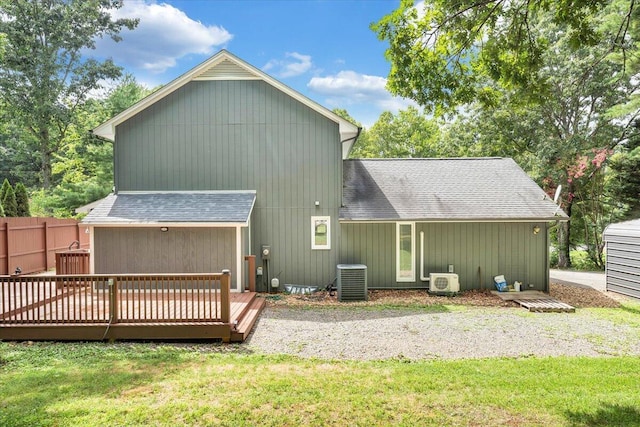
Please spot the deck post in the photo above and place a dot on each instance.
(225, 298)
(251, 260)
(114, 316)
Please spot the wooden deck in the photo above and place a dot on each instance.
(93, 307)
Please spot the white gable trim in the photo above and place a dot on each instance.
(232, 68)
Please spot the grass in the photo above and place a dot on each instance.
(78, 384)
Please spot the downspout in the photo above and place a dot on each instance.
(338, 234)
(422, 278)
(355, 138)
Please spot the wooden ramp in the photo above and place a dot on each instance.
(546, 305)
(536, 301)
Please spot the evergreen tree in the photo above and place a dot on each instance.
(10, 204)
(22, 199)
(3, 191)
(1, 211)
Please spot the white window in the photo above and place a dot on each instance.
(405, 252)
(320, 232)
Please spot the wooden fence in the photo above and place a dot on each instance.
(31, 243)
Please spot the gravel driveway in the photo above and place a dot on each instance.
(467, 332)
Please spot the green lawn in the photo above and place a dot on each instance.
(79, 384)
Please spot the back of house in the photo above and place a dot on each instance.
(226, 162)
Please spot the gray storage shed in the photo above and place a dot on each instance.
(623, 257)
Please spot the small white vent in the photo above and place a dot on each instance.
(351, 282)
(443, 283)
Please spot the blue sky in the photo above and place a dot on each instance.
(321, 48)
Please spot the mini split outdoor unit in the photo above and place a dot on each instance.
(443, 283)
(352, 282)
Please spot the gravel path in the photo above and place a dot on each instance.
(471, 332)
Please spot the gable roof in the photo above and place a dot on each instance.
(463, 189)
(226, 66)
(204, 207)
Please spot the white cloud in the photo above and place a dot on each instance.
(163, 35)
(352, 88)
(294, 65)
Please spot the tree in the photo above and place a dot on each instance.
(22, 199)
(4, 189)
(441, 54)
(18, 162)
(44, 76)
(406, 134)
(623, 183)
(563, 136)
(83, 167)
(9, 203)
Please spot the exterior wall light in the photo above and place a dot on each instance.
(164, 229)
(536, 229)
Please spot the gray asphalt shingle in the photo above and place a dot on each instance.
(461, 189)
(176, 207)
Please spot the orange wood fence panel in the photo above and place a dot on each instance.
(31, 243)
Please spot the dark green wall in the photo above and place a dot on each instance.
(243, 135)
(510, 249)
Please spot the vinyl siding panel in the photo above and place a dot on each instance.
(244, 135)
(478, 252)
(623, 258)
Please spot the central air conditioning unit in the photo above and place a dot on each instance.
(351, 282)
(443, 283)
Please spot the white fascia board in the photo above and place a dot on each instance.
(188, 192)
(108, 129)
(167, 224)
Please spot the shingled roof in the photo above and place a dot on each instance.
(461, 189)
(173, 207)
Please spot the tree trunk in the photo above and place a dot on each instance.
(45, 157)
(564, 239)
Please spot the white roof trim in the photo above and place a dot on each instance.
(188, 192)
(107, 130)
(154, 224)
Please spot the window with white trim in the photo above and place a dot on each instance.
(320, 232)
(405, 252)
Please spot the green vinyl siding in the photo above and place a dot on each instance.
(477, 251)
(243, 135)
(373, 245)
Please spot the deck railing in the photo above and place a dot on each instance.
(134, 298)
